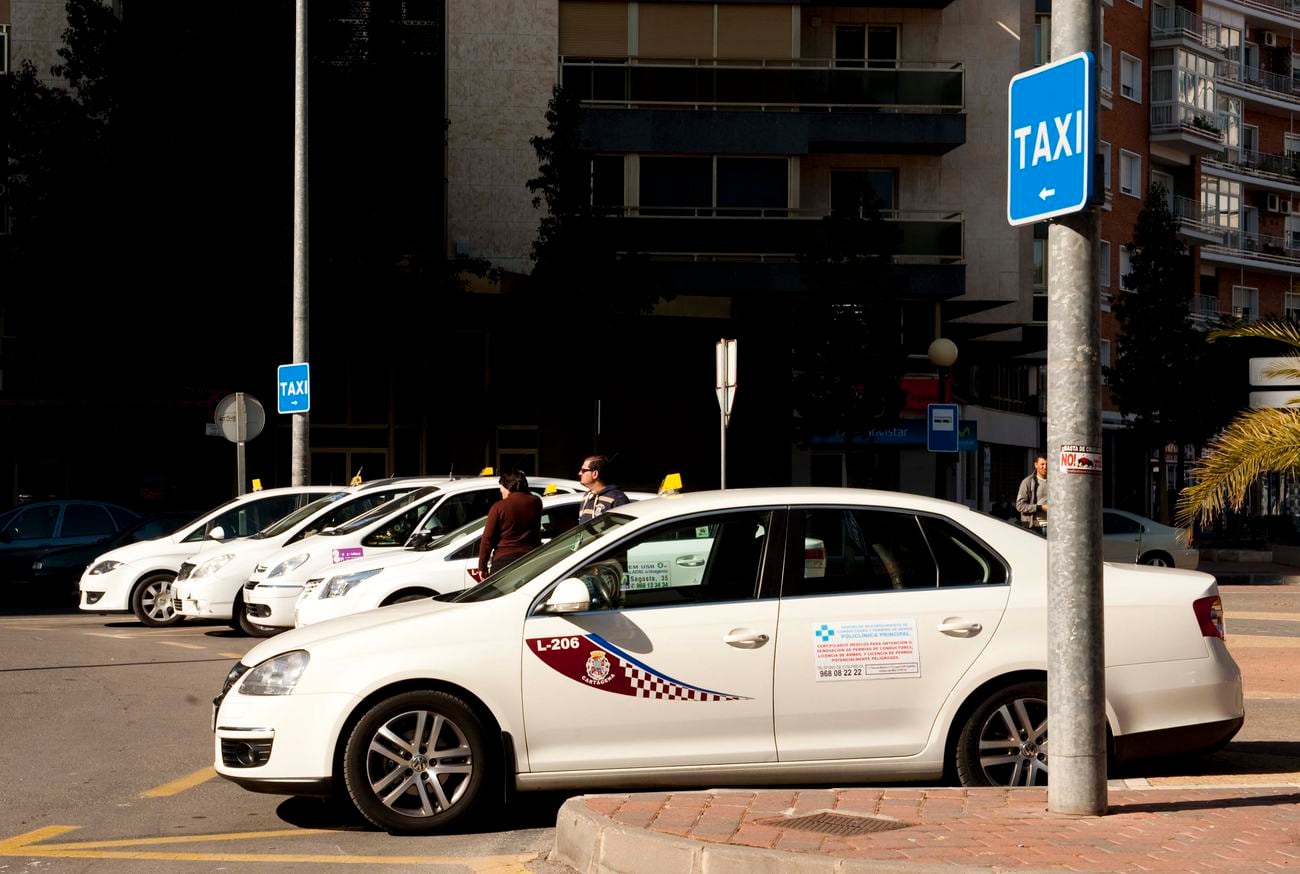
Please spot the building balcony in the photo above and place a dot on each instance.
(1196, 221)
(1257, 251)
(1276, 172)
(692, 250)
(1179, 27)
(788, 106)
(1283, 13)
(1186, 127)
(1205, 311)
(1262, 88)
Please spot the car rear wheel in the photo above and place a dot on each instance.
(1157, 559)
(417, 762)
(151, 601)
(1004, 740)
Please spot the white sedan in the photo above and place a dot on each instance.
(919, 648)
(1128, 537)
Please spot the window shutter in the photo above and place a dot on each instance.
(592, 30)
(675, 30)
(753, 31)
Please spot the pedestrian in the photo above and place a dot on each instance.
(1031, 498)
(601, 494)
(514, 525)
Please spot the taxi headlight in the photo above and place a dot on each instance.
(277, 675)
(289, 564)
(210, 567)
(336, 587)
(103, 567)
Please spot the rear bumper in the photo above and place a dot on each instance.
(1180, 741)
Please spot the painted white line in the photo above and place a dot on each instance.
(181, 645)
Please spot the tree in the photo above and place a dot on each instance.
(1257, 442)
(1152, 380)
(578, 265)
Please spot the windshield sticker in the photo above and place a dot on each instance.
(865, 650)
(348, 553)
(590, 659)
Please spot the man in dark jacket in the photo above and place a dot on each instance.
(601, 495)
(514, 525)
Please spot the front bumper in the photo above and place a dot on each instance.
(107, 593)
(272, 604)
(311, 610)
(297, 733)
(197, 600)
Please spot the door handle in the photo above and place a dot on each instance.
(744, 638)
(690, 561)
(959, 628)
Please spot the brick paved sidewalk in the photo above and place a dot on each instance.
(1188, 830)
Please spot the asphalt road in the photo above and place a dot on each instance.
(107, 751)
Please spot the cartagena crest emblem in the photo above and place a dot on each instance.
(598, 668)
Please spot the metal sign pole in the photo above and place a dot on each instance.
(241, 431)
(725, 373)
(1076, 694)
(300, 449)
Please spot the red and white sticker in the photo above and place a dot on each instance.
(1077, 458)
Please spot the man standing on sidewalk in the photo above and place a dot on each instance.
(1031, 499)
(602, 495)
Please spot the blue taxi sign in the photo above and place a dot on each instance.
(293, 388)
(1051, 139)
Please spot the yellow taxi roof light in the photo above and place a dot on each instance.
(671, 484)
(487, 471)
(550, 489)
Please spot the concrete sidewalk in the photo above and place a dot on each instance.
(1251, 573)
(1206, 829)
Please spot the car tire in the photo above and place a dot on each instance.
(151, 601)
(1004, 740)
(438, 790)
(1157, 559)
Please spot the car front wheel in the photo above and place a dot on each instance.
(151, 601)
(417, 762)
(1004, 741)
(1157, 559)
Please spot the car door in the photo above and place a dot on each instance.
(1121, 537)
(658, 674)
(32, 528)
(85, 523)
(870, 644)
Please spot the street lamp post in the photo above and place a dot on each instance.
(943, 355)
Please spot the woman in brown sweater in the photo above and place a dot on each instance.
(514, 525)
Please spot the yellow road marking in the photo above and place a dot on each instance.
(30, 844)
(180, 784)
(231, 655)
(114, 636)
(28, 627)
(181, 645)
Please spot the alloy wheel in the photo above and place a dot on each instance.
(1013, 743)
(419, 763)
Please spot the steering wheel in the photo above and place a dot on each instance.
(605, 580)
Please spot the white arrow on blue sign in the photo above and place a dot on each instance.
(293, 388)
(1051, 139)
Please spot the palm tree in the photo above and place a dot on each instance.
(1255, 443)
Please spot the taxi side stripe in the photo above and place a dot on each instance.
(602, 642)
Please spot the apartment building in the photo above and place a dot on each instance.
(722, 133)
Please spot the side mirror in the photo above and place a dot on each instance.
(419, 540)
(216, 532)
(570, 596)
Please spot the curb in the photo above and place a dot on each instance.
(591, 843)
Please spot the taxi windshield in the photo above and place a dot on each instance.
(522, 572)
(381, 511)
(444, 539)
(275, 529)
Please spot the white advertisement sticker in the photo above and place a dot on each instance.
(865, 650)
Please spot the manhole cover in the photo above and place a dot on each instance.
(837, 823)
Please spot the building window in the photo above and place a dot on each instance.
(1290, 143)
(1125, 268)
(1292, 304)
(1042, 39)
(607, 183)
(1130, 77)
(676, 186)
(4, 48)
(1221, 199)
(1130, 173)
(1137, 3)
(1295, 71)
(1245, 303)
(1105, 149)
(857, 192)
(1105, 353)
(857, 45)
(1103, 265)
(1106, 80)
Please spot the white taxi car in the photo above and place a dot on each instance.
(1128, 537)
(272, 590)
(209, 585)
(137, 578)
(422, 569)
(922, 647)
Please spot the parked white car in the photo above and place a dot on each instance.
(1128, 537)
(209, 584)
(921, 646)
(272, 590)
(422, 570)
(137, 578)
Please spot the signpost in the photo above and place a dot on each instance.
(1052, 136)
(241, 418)
(1051, 148)
(293, 388)
(941, 434)
(724, 359)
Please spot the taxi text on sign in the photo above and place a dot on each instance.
(293, 388)
(1051, 139)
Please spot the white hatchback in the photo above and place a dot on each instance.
(273, 588)
(209, 585)
(921, 647)
(137, 578)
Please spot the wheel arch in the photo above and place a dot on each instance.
(392, 597)
(1152, 553)
(424, 684)
(152, 572)
(976, 697)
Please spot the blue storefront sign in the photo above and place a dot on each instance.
(906, 432)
